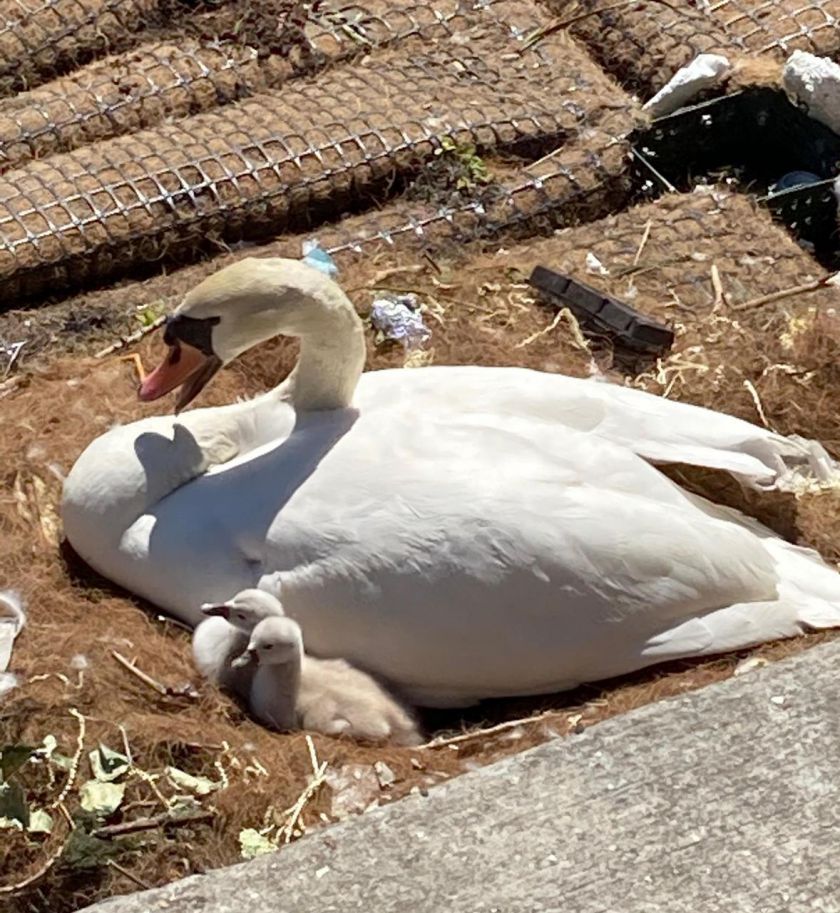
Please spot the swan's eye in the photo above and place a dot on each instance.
(268, 646)
(240, 616)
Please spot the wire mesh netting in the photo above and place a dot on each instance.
(43, 38)
(313, 151)
(158, 81)
(781, 26)
(643, 44)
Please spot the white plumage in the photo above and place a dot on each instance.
(463, 532)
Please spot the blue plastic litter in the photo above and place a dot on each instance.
(795, 179)
(398, 318)
(316, 256)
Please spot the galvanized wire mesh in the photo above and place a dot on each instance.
(158, 81)
(781, 26)
(39, 38)
(274, 161)
(643, 44)
(580, 182)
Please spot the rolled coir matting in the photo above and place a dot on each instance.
(40, 39)
(277, 161)
(781, 26)
(160, 81)
(643, 44)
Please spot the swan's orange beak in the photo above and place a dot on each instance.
(185, 367)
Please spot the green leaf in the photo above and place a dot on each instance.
(13, 757)
(108, 765)
(201, 786)
(253, 844)
(82, 851)
(13, 803)
(101, 798)
(40, 822)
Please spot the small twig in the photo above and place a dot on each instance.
(149, 780)
(479, 733)
(163, 690)
(74, 762)
(166, 819)
(318, 777)
(146, 679)
(544, 159)
(130, 875)
(137, 362)
(132, 337)
(791, 292)
(544, 331)
(643, 242)
(313, 755)
(126, 744)
(393, 271)
(558, 25)
(67, 817)
(757, 400)
(717, 285)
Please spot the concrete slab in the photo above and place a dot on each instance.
(722, 800)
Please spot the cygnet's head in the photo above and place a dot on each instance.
(233, 310)
(273, 642)
(246, 610)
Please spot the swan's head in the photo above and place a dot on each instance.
(274, 642)
(246, 610)
(235, 309)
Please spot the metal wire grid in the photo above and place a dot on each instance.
(585, 181)
(643, 44)
(781, 25)
(122, 95)
(146, 195)
(34, 36)
(157, 81)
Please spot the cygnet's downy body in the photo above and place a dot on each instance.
(291, 690)
(224, 635)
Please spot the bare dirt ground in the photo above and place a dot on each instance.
(528, 181)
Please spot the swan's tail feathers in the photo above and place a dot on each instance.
(768, 463)
(664, 431)
(807, 584)
(808, 599)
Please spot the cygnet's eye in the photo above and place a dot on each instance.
(268, 646)
(240, 616)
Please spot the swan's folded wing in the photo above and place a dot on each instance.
(589, 547)
(659, 429)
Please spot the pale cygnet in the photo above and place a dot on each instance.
(224, 635)
(246, 609)
(292, 690)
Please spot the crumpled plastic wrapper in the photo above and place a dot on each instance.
(316, 256)
(398, 317)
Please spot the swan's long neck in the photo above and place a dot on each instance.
(331, 361)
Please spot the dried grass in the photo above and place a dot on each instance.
(481, 311)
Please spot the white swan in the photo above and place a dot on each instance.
(460, 532)
(291, 690)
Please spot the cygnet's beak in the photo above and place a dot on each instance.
(249, 656)
(220, 610)
(184, 366)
